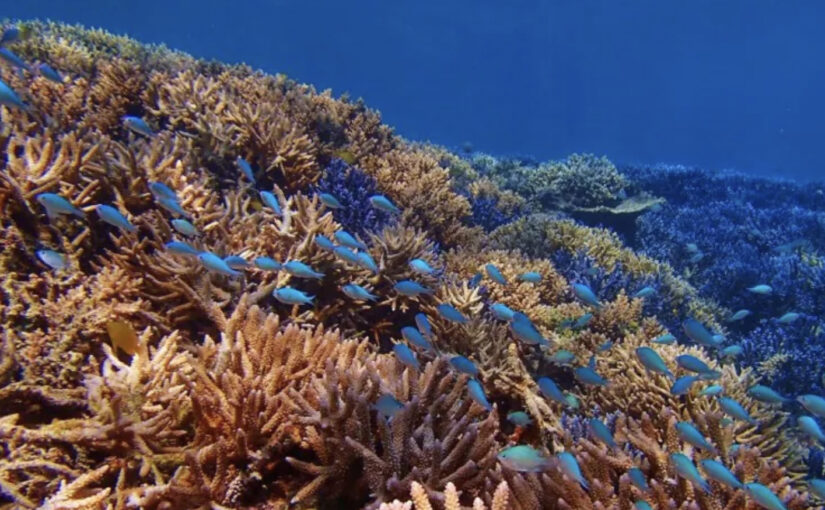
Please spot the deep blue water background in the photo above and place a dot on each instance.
(733, 84)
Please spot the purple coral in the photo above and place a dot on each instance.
(353, 187)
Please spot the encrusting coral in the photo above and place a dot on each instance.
(274, 360)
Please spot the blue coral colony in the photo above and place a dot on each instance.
(353, 264)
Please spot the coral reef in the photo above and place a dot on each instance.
(239, 359)
(725, 233)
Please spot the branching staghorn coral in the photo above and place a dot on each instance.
(439, 436)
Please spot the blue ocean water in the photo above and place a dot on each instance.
(733, 84)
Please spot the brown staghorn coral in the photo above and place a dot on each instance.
(438, 436)
(135, 426)
(420, 501)
(649, 440)
(422, 189)
(538, 234)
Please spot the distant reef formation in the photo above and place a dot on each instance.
(224, 289)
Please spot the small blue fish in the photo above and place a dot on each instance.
(692, 364)
(424, 326)
(410, 288)
(588, 376)
(600, 431)
(50, 74)
(494, 274)
(697, 332)
(358, 292)
(519, 418)
(766, 395)
(687, 470)
(813, 403)
(236, 262)
(691, 435)
(570, 467)
(415, 337)
(732, 351)
(476, 392)
(645, 292)
(216, 264)
(382, 203)
(181, 248)
(524, 329)
(811, 428)
(562, 357)
(450, 313)
(173, 206)
(696, 258)
(300, 270)
(365, 261)
(637, 478)
(474, 281)
(137, 125)
(9, 97)
(764, 496)
(717, 471)
(421, 266)
(15, 61)
(325, 243)
(711, 391)
(530, 277)
(53, 259)
(330, 201)
(160, 190)
(735, 410)
(682, 385)
(739, 315)
(641, 504)
(464, 365)
(346, 239)
(817, 486)
(185, 227)
(605, 346)
(267, 264)
(342, 252)
(271, 201)
(56, 205)
(246, 169)
(550, 390)
(502, 312)
(10, 34)
(788, 318)
(524, 459)
(114, 217)
(572, 401)
(761, 289)
(583, 321)
(652, 361)
(388, 406)
(586, 295)
(666, 339)
(710, 375)
(290, 296)
(406, 356)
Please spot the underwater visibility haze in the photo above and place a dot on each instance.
(223, 287)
